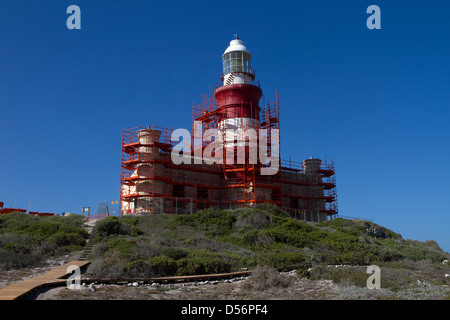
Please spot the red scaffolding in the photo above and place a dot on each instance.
(151, 183)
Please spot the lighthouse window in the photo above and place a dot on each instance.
(237, 61)
(236, 65)
(226, 67)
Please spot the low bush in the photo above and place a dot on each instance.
(341, 275)
(110, 265)
(111, 226)
(163, 266)
(257, 240)
(126, 248)
(272, 209)
(281, 259)
(174, 253)
(202, 262)
(138, 269)
(11, 260)
(63, 239)
(253, 220)
(263, 278)
(25, 240)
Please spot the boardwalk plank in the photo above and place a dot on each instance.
(20, 288)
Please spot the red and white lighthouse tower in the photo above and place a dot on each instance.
(238, 98)
(238, 113)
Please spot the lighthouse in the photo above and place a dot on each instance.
(239, 122)
(238, 98)
(242, 127)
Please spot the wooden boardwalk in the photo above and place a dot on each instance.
(54, 276)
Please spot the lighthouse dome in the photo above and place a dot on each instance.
(236, 45)
(237, 64)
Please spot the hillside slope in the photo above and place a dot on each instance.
(28, 241)
(213, 241)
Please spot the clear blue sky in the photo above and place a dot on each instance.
(377, 102)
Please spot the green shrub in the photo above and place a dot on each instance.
(16, 243)
(111, 265)
(70, 248)
(111, 226)
(124, 247)
(202, 261)
(16, 222)
(272, 209)
(139, 269)
(281, 259)
(42, 229)
(163, 266)
(253, 220)
(292, 232)
(263, 278)
(45, 249)
(26, 239)
(341, 242)
(349, 276)
(215, 222)
(61, 239)
(256, 240)
(11, 260)
(174, 253)
(341, 275)
(131, 222)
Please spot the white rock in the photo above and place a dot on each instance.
(445, 262)
(135, 284)
(447, 275)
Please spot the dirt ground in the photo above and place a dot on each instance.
(294, 288)
(205, 290)
(11, 276)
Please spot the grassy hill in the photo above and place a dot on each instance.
(212, 241)
(27, 240)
